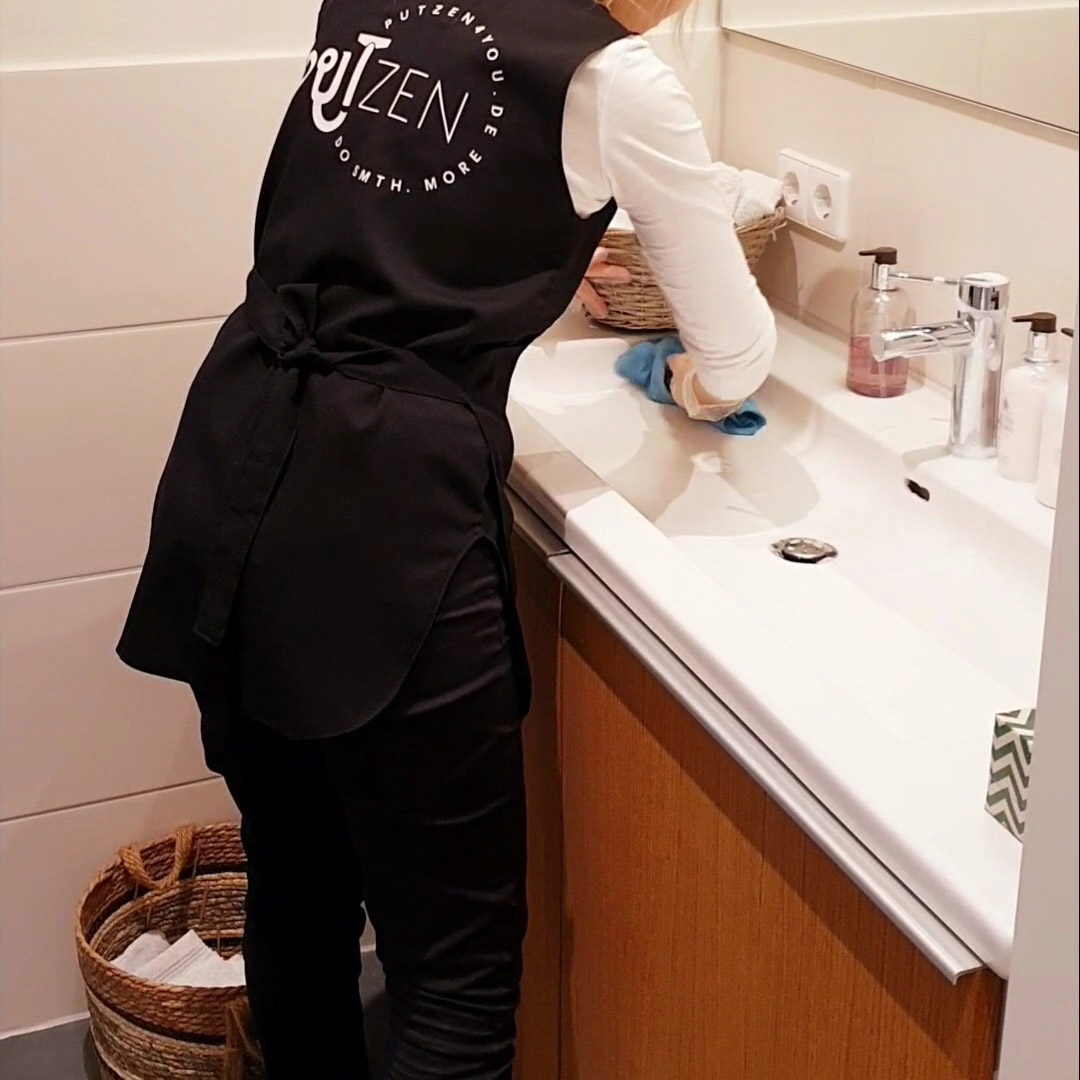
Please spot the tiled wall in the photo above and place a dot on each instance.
(956, 187)
(133, 137)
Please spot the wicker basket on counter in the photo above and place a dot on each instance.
(639, 305)
(194, 880)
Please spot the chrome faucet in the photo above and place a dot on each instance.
(976, 338)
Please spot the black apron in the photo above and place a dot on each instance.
(346, 442)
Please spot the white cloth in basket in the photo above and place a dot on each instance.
(759, 196)
(141, 951)
(187, 962)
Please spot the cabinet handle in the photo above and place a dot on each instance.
(890, 895)
(530, 527)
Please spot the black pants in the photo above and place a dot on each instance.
(419, 814)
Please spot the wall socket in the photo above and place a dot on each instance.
(816, 194)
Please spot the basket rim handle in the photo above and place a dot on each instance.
(131, 857)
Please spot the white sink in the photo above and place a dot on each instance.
(906, 566)
(927, 623)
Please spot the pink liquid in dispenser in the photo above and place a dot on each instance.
(870, 379)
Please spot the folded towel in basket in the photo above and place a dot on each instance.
(141, 951)
(759, 196)
(189, 961)
(645, 365)
(756, 197)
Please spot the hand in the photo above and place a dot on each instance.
(688, 394)
(679, 370)
(600, 270)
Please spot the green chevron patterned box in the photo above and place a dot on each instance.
(1010, 769)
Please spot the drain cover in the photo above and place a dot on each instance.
(804, 550)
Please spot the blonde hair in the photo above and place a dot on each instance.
(653, 11)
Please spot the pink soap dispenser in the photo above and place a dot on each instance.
(881, 305)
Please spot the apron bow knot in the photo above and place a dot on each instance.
(285, 321)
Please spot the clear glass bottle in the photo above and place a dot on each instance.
(881, 305)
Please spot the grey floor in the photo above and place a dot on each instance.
(65, 1053)
(61, 1053)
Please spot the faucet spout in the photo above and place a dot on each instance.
(919, 340)
(976, 340)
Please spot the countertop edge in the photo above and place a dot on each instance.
(926, 931)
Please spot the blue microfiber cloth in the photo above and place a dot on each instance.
(645, 365)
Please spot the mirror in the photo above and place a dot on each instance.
(1015, 55)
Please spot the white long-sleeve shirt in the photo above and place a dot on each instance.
(630, 132)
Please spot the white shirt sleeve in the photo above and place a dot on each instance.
(630, 132)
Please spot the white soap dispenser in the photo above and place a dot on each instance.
(1024, 393)
(1053, 436)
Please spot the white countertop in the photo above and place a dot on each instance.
(874, 677)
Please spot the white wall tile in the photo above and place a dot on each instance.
(129, 192)
(78, 726)
(47, 862)
(86, 422)
(76, 33)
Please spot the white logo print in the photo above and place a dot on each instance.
(348, 83)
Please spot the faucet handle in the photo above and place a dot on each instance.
(978, 292)
(926, 279)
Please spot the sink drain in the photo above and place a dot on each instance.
(802, 549)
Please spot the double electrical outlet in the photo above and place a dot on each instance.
(816, 194)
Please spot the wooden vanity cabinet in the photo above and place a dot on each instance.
(682, 926)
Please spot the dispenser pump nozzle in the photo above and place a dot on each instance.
(1042, 331)
(883, 256)
(1041, 322)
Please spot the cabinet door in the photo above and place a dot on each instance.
(538, 1017)
(705, 936)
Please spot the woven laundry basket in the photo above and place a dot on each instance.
(639, 305)
(194, 880)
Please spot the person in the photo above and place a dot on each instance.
(328, 561)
